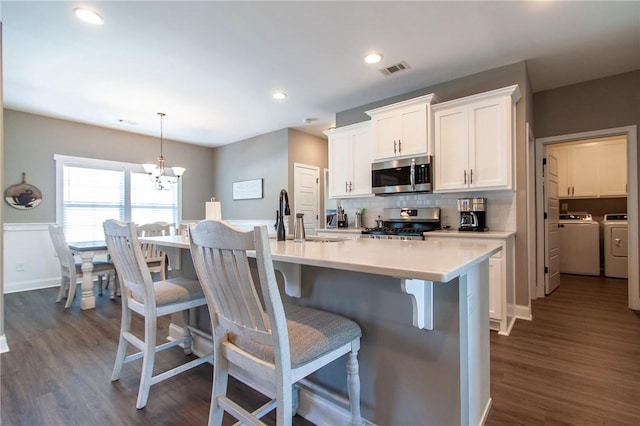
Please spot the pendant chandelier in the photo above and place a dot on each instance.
(157, 171)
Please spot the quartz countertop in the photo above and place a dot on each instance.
(342, 230)
(469, 234)
(437, 260)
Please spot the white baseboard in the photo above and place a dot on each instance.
(523, 312)
(4, 346)
(17, 286)
(314, 406)
(485, 414)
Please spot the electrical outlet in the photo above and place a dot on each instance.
(564, 207)
(19, 267)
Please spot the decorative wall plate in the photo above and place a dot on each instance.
(23, 196)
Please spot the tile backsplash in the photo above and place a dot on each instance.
(501, 210)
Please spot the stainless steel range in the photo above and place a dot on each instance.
(405, 223)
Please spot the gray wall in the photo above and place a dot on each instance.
(312, 151)
(32, 140)
(260, 157)
(470, 85)
(597, 104)
(593, 105)
(271, 157)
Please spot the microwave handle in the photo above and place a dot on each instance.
(413, 174)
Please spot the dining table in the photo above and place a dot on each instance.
(87, 250)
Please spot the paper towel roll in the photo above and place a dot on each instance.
(213, 211)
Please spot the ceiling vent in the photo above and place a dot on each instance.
(401, 66)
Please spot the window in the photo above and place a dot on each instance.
(91, 191)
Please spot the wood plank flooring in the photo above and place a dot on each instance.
(576, 363)
(58, 370)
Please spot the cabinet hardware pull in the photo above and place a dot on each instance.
(350, 186)
(465, 177)
(346, 186)
(394, 146)
(399, 146)
(412, 174)
(568, 190)
(471, 179)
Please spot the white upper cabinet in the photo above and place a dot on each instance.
(593, 169)
(612, 168)
(350, 160)
(584, 180)
(403, 129)
(474, 138)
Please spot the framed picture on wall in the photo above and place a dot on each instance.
(247, 189)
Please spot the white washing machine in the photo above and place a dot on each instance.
(579, 237)
(615, 234)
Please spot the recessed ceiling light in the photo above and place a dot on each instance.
(279, 96)
(88, 16)
(373, 58)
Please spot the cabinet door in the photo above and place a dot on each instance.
(451, 149)
(361, 162)
(583, 170)
(612, 168)
(490, 144)
(339, 164)
(385, 135)
(412, 139)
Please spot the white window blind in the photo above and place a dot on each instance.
(90, 191)
(150, 205)
(91, 196)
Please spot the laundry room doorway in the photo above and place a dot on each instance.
(576, 191)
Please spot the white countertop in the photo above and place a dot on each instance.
(439, 260)
(342, 230)
(469, 234)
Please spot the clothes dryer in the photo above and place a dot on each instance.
(615, 234)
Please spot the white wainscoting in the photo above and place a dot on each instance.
(28, 246)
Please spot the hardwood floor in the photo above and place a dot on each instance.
(576, 363)
(58, 370)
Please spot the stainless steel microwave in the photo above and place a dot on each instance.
(401, 176)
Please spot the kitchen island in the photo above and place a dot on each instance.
(423, 310)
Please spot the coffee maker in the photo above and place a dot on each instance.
(473, 214)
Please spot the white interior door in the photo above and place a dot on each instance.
(552, 240)
(306, 183)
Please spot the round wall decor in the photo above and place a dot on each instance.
(23, 196)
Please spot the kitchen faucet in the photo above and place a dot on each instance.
(283, 210)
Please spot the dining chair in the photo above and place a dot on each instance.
(150, 300)
(279, 344)
(71, 270)
(155, 258)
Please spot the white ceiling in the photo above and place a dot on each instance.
(212, 66)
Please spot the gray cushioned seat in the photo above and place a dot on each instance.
(175, 290)
(312, 333)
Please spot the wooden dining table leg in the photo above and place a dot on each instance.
(88, 300)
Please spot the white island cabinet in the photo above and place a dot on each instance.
(474, 139)
(502, 297)
(423, 307)
(350, 160)
(403, 129)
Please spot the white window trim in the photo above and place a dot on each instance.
(128, 168)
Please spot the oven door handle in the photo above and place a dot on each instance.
(412, 175)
